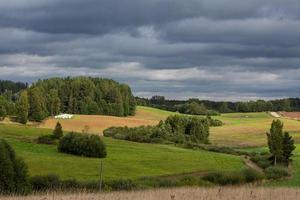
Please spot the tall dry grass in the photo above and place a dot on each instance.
(223, 193)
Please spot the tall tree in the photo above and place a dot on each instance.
(275, 138)
(287, 147)
(3, 107)
(286, 105)
(23, 107)
(37, 111)
(54, 102)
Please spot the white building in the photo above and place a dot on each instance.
(64, 116)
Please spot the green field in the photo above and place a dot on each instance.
(132, 160)
(125, 159)
(241, 130)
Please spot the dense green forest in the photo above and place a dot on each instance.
(11, 87)
(77, 95)
(205, 107)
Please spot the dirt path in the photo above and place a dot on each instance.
(252, 164)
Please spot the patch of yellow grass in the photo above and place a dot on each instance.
(224, 193)
(250, 133)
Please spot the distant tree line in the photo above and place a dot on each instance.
(205, 107)
(77, 95)
(11, 87)
(175, 129)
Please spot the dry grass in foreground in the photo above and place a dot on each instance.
(224, 193)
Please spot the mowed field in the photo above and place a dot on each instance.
(214, 193)
(240, 129)
(97, 123)
(249, 129)
(125, 160)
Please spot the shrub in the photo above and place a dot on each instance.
(252, 175)
(83, 145)
(121, 184)
(45, 183)
(262, 160)
(46, 139)
(233, 178)
(13, 172)
(276, 172)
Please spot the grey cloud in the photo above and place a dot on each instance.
(214, 49)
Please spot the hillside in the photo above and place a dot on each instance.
(97, 123)
(125, 159)
(240, 129)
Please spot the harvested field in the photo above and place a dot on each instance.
(294, 115)
(224, 193)
(97, 123)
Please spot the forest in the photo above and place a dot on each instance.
(204, 107)
(76, 95)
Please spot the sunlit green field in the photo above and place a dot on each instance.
(125, 159)
(248, 129)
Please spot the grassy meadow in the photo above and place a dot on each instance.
(248, 129)
(240, 129)
(125, 159)
(133, 160)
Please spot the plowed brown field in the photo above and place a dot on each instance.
(294, 115)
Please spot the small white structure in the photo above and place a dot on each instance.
(64, 116)
(275, 114)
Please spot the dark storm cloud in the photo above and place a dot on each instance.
(214, 49)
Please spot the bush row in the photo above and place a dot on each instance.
(175, 129)
(234, 178)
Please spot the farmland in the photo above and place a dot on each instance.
(240, 129)
(133, 160)
(97, 123)
(125, 159)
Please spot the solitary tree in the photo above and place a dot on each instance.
(23, 107)
(287, 147)
(275, 138)
(58, 132)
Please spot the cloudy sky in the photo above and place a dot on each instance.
(209, 49)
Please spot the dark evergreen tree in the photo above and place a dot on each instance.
(287, 147)
(53, 102)
(275, 138)
(13, 172)
(37, 109)
(23, 107)
(58, 132)
(3, 107)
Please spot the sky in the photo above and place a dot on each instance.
(207, 49)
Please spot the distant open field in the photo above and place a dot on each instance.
(125, 159)
(249, 129)
(240, 129)
(216, 193)
(98, 123)
(294, 115)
